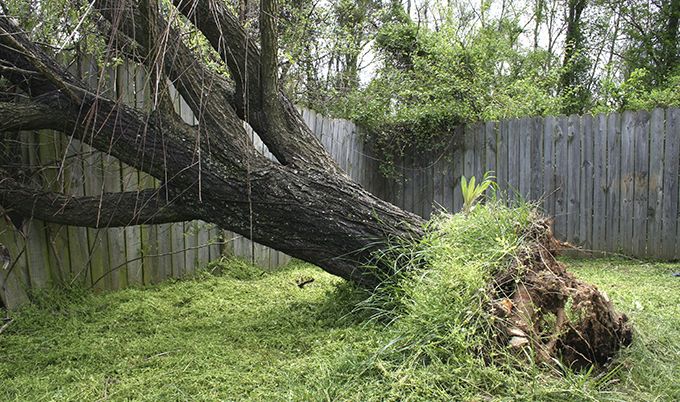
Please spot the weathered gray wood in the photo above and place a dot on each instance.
(203, 243)
(656, 151)
(13, 278)
(352, 159)
(490, 133)
(415, 188)
(327, 137)
(449, 180)
(502, 155)
(165, 244)
(133, 234)
(536, 159)
(458, 166)
(37, 250)
(479, 151)
(347, 141)
(426, 179)
(514, 156)
(573, 183)
(438, 182)
(627, 180)
(50, 152)
(191, 247)
(670, 185)
(549, 166)
(469, 152)
(273, 259)
(600, 185)
(561, 174)
(524, 137)
(586, 182)
(74, 184)
(215, 241)
(358, 175)
(641, 178)
(149, 240)
(117, 269)
(613, 182)
(262, 254)
(227, 248)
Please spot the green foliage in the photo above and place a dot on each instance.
(634, 93)
(439, 307)
(59, 25)
(431, 82)
(472, 192)
(463, 66)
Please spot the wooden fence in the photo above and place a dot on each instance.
(609, 181)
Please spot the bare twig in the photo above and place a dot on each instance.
(5, 325)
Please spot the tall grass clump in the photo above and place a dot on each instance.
(446, 304)
(436, 303)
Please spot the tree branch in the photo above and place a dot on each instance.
(109, 210)
(159, 144)
(25, 55)
(209, 95)
(29, 115)
(279, 125)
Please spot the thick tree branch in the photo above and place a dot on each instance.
(279, 125)
(109, 210)
(208, 94)
(229, 39)
(268, 56)
(29, 115)
(158, 144)
(310, 213)
(21, 53)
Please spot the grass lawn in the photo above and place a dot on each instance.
(241, 334)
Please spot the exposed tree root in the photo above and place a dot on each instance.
(546, 308)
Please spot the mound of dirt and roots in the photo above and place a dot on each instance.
(486, 285)
(543, 306)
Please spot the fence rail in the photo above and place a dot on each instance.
(609, 181)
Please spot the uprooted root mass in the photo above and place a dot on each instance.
(546, 308)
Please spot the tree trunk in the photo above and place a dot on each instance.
(303, 206)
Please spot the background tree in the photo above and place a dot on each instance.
(438, 64)
(576, 64)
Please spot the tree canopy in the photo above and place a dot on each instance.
(420, 67)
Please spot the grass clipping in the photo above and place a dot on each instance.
(486, 286)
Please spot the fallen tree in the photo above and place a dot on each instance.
(301, 204)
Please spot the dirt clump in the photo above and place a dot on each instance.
(543, 306)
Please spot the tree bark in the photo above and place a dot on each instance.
(306, 207)
(146, 207)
